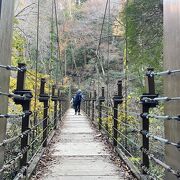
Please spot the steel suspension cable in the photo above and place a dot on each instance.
(98, 48)
(100, 38)
(12, 68)
(105, 12)
(51, 45)
(37, 54)
(126, 69)
(58, 45)
(108, 57)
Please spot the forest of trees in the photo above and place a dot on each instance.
(137, 23)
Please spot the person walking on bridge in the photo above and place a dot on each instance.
(77, 102)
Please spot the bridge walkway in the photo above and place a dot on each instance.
(79, 155)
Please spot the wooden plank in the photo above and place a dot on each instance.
(7, 8)
(171, 83)
(77, 154)
(0, 7)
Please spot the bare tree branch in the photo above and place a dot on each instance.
(24, 9)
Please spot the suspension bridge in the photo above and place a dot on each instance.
(111, 139)
(77, 150)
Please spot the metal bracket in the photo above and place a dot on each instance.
(43, 97)
(150, 103)
(88, 99)
(117, 99)
(54, 98)
(61, 99)
(26, 93)
(101, 99)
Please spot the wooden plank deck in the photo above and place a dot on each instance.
(79, 155)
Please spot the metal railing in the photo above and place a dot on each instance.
(36, 127)
(112, 121)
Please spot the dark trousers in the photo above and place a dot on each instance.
(77, 107)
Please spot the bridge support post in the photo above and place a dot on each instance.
(43, 97)
(6, 23)
(89, 104)
(101, 100)
(55, 100)
(25, 102)
(86, 106)
(63, 104)
(107, 116)
(93, 105)
(60, 104)
(171, 82)
(145, 120)
(117, 99)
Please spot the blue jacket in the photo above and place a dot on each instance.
(78, 97)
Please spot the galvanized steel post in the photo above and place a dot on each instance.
(117, 99)
(43, 97)
(93, 105)
(54, 98)
(60, 104)
(89, 104)
(101, 100)
(146, 105)
(25, 102)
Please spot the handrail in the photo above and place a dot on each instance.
(110, 120)
(37, 133)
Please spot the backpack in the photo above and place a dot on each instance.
(77, 98)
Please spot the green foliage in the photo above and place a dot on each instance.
(81, 55)
(144, 23)
(84, 54)
(83, 1)
(19, 43)
(135, 160)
